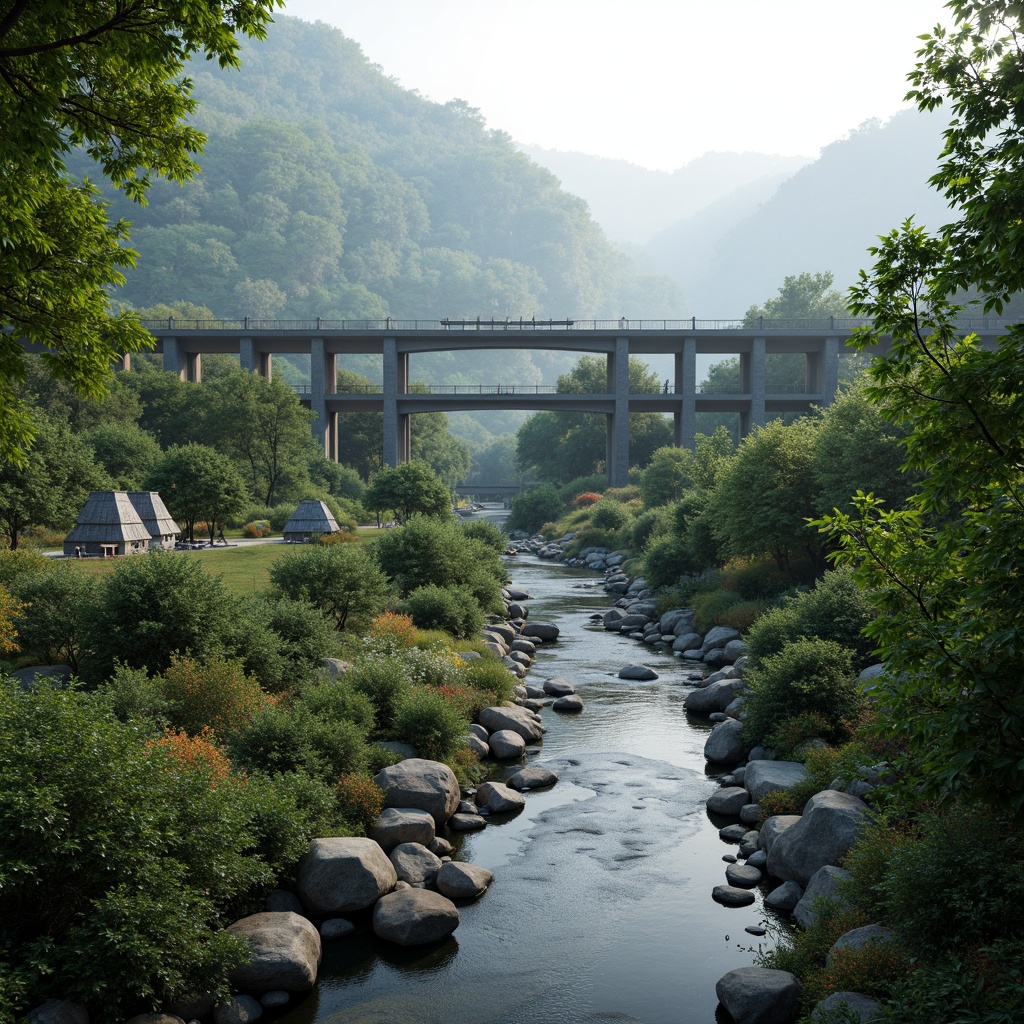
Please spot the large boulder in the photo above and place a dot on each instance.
(727, 800)
(414, 917)
(429, 785)
(715, 697)
(718, 637)
(415, 864)
(460, 881)
(759, 995)
(519, 720)
(339, 875)
(763, 776)
(499, 798)
(540, 630)
(861, 1006)
(725, 743)
(396, 825)
(284, 953)
(827, 829)
(506, 745)
(860, 938)
(772, 828)
(533, 776)
(59, 1011)
(824, 885)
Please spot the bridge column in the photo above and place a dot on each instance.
(396, 426)
(254, 361)
(174, 358)
(830, 371)
(752, 375)
(617, 446)
(684, 419)
(194, 367)
(318, 395)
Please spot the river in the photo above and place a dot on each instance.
(601, 907)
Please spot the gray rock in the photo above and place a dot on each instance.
(55, 675)
(154, 1018)
(440, 847)
(750, 814)
(748, 844)
(499, 798)
(519, 720)
(275, 1000)
(414, 917)
(824, 885)
(859, 938)
(395, 825)
(533, 776)
(732, 833)
(640, 673)
(862, 1006)
(725, 744)
(731, 896)
(784, 897)
(460, 881)
(506, 745)
(59, 1011)
(632, 621)
(715, 657)
(759, 995)
(429, 785)
(479, 747)
(670, 619)
(467, 822)
(542, 630)
(415, 864)
(478, 730)
(339, 875)
(334, 928)
(570, 704)
(523, 646)
(280, 900)
(238, 1010)
(558, 687)
(764, 776)
(830, 824)
(502, 629)
(758, 859)
(729, 800)
(284, 953)
(687, 640)
(715, 697)
(774, 827)
(743, 876)
(734, 649)
(335, 667)
(613, 619)
(718, 637)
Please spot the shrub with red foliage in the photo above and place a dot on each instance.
(585, 499)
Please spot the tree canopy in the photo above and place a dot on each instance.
(108, 79)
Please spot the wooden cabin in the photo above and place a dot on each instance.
(163, 530)
(308, 521)
(107, 526)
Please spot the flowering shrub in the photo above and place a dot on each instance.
(257, 528)
(198, 753)
(360, 800)
(585, 499)
(340, 537)
(215, 695)
(394, 631)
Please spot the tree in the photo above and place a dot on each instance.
(801, 297)
(54, 624)
(944, 570)
(51, 486)
(198, 484)
(340, 579)
(106, 77)
(763, 500)
(407, 490)
(125, 451)
(666, 477)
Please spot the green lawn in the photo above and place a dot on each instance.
(243, 569)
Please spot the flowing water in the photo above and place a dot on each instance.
(601, 907)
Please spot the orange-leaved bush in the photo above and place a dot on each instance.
(214, 694)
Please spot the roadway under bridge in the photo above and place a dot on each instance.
(183, 343)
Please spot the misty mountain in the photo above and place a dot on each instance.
(823, 217)
(633, 204)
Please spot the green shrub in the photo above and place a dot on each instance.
(594, 483)
(755, 579)
(836, 609)
(280, 514)
(385, 681)
(22, 562)
(486, 532)
(360, 801)
(489, 676)
(453, 609)
(609, 515)
(741, 615)
(133, 695)
(665, 559)
(533, 508)
(215, 693)
(647, 525)
(430, 723)
(710, 606)
(54, 627)
(806, 676)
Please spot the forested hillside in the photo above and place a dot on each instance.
(328, 190)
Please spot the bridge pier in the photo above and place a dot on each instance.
(617, 441)
(752, 382)
(397, 425)
(684, 386)
(187, 365)
(254, 361)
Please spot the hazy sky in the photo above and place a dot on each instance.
(656, 82)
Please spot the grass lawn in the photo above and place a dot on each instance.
(243, 569)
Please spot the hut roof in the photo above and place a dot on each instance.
(108, 516)
(153, 512)
(312, 517)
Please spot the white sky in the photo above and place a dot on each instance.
(655, 82)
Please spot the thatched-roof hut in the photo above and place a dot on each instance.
(309, 520)
(163, 530)
(108, 525)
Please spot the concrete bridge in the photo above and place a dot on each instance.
(183, 343)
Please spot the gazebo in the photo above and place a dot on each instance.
(163, 530)
(309, 520)
(107, 526)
